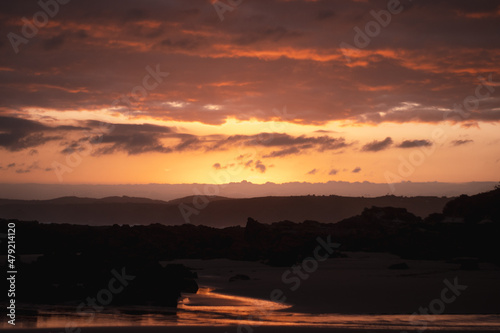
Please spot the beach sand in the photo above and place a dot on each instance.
(358, 284)
(218, 329)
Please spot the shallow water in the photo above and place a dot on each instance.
(209, 308)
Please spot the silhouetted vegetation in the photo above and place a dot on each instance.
(220, 212)
(75, 261)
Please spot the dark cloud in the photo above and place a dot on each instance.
(324, 14)
(133, 144)
(74, 146)
(461, 142)
(218, 166)
(356, 170)
(470, 125)
(273, 34)
(414, 143)
(324, 131)
(378, 145)
(429, 116)
(130, 128)
(131, 138)
(182, 43)
(265, 54)
(250, 164)
(54, 42)
(136, 14)
(17, 134)
(312, 172)
(20, 125)
(333, 172)
(187, 143)
(107, 138)
(283, 152)
(473, 6)
(33, 166)
(260, 167)
(321, 143)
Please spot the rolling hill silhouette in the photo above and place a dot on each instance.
(209, 211)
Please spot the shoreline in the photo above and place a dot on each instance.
(353, 294)
(358, 284)
(227, 329)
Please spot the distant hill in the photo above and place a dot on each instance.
(78, 201)
(72, 260)
(374, 229)
(191, 198)
(479, 208)
(244, 189)
(213, 211)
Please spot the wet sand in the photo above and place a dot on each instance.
(219, 329)
(359, 284)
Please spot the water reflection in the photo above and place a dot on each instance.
(209, 308)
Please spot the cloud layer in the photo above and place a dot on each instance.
(265, 54)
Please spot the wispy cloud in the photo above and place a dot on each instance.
(415, 143)
(18, 134)
(461, 142)
(312, 172)
(333, 172)
(378, 145)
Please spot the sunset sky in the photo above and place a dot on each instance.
(163, 91)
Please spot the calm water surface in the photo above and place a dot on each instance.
(209, 308)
